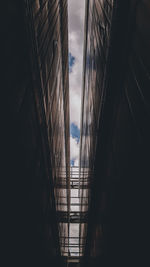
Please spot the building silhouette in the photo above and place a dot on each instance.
(36, 129)
(115, 131)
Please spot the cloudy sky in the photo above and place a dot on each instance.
(76, 12)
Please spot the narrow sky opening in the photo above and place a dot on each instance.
(76, 13)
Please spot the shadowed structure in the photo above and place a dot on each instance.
(36, 129)
(115, 141)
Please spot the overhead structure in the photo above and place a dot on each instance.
(36, 135)
(115, 131)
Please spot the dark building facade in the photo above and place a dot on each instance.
(115, 131)
(36, 130)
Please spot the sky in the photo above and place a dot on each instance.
(76, 11)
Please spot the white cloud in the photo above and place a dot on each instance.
(76, 11)
(76, 162)
(74, 149)
(75, 102)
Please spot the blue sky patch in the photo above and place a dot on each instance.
(72, 162)
(71, 62)
(75, 132)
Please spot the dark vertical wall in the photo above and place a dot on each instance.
(31, 237)
(118, 220)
